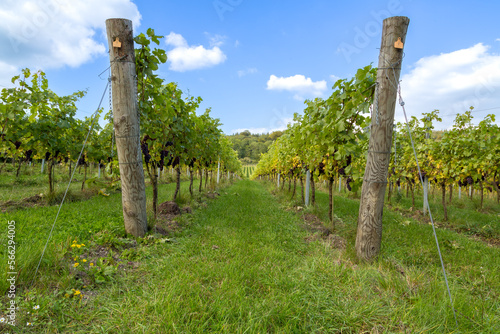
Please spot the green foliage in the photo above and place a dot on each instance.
(465, 155)
(172, 133)
(251, 146)
(329, 136)
(36, 121)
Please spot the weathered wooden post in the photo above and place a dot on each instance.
(369, 233)
(426, 180)
(308, 182)
(126, 122)
(218, 171)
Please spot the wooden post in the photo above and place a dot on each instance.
(308, 184)
(369, 233)
(426, 179)
(218, 171)
(126, 122)
(426, 194)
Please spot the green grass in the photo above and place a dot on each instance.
(242, 265)
(78, 220)
(464, 214)
(248, 170)
(408, 246)
(32, 182)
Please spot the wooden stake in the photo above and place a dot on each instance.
(308, 182)
(218, 171)
(126, 122)
(369, 233)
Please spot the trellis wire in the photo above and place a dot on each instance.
(402, 104)
(71, 179)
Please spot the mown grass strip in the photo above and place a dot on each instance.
(242, 265)
(408, 247)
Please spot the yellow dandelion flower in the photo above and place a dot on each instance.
(91, 264)
(84, 260)
(66, 295)
(77, 292)
(82, 244)
(73, 246)
(76, 264)
(78, 246)
(74, 241)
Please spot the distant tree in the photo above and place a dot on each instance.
(275, 135)
(251, 146)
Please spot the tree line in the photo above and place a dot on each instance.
(250, 146)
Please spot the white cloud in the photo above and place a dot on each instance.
(497, 40)
(236, 44)
(176, 40)
(242, 73)
(252, 130)
(264, 130)
(299, 98)
(185, 58)
(451, 82)
(57, 33)
(279, 119)
(6, 73)
(298, 84)
(215, 40)
(334, 78)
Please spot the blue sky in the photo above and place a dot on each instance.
(254, 62)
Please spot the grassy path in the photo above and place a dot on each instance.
(239, 268)
(242, 265)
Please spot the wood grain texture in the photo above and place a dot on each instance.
(369, 233)
(126, 122)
